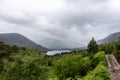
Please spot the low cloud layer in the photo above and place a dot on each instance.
(66, 20)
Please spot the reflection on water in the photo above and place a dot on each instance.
(57, 52)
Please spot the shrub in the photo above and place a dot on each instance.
(99, 73)
(26, 65)
(70, 66)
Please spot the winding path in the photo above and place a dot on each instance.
(113, 67)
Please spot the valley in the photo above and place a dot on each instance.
(59, 39)
(96, 61)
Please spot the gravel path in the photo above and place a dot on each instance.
(113, 67)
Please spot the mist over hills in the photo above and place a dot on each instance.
(110, 38)
(60, 44)
(52, 44)
(20, 40)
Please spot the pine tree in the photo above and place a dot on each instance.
(92, 46)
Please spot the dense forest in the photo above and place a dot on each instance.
(20, 63)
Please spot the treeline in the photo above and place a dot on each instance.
(113, 47)
(109, 48)
(6, 51)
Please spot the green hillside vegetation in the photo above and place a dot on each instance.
(77, 67)
(100, 72)
(25, 64)
(113, 47)
(18, 63)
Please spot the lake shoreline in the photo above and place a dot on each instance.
(53, 52)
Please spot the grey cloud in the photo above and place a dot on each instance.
(77, 21)
(88, 1)
(23, 20)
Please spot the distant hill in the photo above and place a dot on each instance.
(20, 40)
(110, 38)
(60, 44)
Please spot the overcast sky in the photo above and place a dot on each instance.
(66, 20)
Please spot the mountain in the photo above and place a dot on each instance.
(110, 38)
(20, 40)
(60, 44)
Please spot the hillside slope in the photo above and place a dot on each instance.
(110, 38)
(20, 40)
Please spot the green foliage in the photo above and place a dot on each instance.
(99, 56)
(99, 73)
(84, 53)
(113, 47)
(92, 46)
(75, 67)
(18, 63)
(118, 44)
(109, 48)
(5, 52)
(26, 65)
(70, 66)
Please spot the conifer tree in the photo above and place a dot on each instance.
(92, 46)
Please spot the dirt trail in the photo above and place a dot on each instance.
(113, 67)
